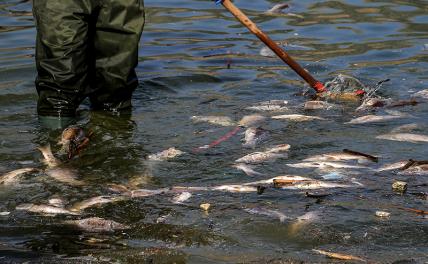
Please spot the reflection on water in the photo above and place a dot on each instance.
(196, 59)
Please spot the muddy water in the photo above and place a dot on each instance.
(184, 58)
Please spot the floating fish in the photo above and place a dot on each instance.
(422, 94)
(182, 197)
(406, 128)
(247, 169)
(312, 185)
(277, 9)
(337, 156)
(215, 120)
(325, 165)
(303, 220)
(234, 188)
(165, 155)
(416, 170)
(374, 119)
(96, 201)
(393, 166)
(97, 225)
(57, 202)
(270, 106)
(13, 177)
(371, 103)
(73, 140)
(145, 192)
(318, 105)
(65, 175)
(261, 157)
(338, 256)
(267, 212)
(298, 118)
(49, 159)
(251, 120)
(407, 137)
(45, 209)
(290, 178)
(255, 135)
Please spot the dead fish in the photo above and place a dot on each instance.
(73, 140)
(416, 170)
(254, 135)
(247, 169)
(44, 209)
(318, 105)
(145, 192)
(303, 220)
(337, 156)
(338, 256)
(65, 175)
(393, 166)
(270, 106)
(95, 201)
(13, 177)
(57, 202)
(371, 103)
(267, 212)
(373, 119)
(166, 154)
(325, 165)
(298, 118)
(271, 181)
(97, 225)
(422, 94)
(277, 9)
(251, 120)
(407, 137)
(215, 120)
(406, 128)
(234, 188)
(182, 197)
(49, 159)
(312, 185)
(261, 157)
(267, 52)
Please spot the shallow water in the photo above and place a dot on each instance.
(184, 57)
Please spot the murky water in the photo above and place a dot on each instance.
(184, 57)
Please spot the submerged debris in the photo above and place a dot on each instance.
(215, 120)
(267, 212)
(399, 186)
(382, 214)
(255, 135)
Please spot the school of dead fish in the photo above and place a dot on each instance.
(252, 137)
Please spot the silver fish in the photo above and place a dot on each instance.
(267, 212)
(95, 201)
(416, 170)
(373, 119)
(422, 94)
(261, 157)
(337, 156)
(251, 120)
(277, 9)
(49, 159)
(234, 188)
(182, 197)
(407, 137)
(312, 185)
(282, 177)
(97, 225)
(65, 175)
(406, 128)
(298, 118)
(325, 165)
(371, 103)
(145, 192)
(247, 169)
(393, 166)
(165, 155)
(317, 105)
(254, 135)
(267, 108)
(215, 120)
(45, 209)
(13, 177)
(57, 202)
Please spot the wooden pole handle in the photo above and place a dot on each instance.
(317, 85)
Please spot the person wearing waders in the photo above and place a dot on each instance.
(85, 49)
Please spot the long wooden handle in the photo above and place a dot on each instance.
(318, 86)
